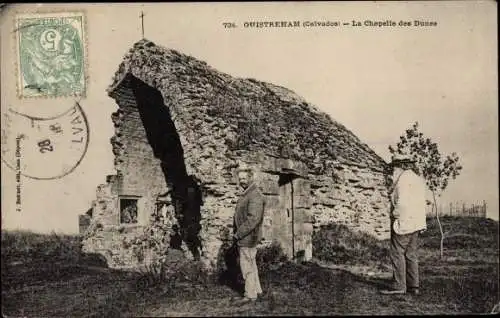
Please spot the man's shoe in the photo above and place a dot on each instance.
(393, 292)
(413, 291)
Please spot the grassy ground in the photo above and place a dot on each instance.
(47, 276)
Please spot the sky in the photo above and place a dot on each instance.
(376, 81)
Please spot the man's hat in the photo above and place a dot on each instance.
(401, 158)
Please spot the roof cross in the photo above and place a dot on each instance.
(142, 23)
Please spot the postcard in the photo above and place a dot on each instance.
(264, 158)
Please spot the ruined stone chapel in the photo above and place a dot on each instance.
(183, 127)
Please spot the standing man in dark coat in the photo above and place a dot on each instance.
(248, 231)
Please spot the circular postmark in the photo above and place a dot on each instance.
(44, 148)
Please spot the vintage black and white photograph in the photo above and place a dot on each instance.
(249, 159)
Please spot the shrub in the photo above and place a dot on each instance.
(338, 244)
(270, 257)
(229, 273)
(171, 269)
(93, 259)
(228, 268)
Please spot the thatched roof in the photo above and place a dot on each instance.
(265, 117)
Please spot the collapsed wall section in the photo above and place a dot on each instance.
(137, 183)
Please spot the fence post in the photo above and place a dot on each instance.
(484, 208)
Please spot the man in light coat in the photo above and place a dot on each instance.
(408, 219)
(248, 231)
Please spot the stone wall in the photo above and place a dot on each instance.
(139, 170)
(83, 222)
(220, 202)
(103, 236)
(353, 196)
(138, 174)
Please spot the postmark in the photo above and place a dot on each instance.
(51, 54)
(44, 148)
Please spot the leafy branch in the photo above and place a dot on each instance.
(436, 168)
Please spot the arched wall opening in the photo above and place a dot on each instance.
(164, 140)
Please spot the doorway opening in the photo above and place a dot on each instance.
(285, 182)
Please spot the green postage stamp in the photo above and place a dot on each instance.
(51, 54)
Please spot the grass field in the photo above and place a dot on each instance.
(47, 276)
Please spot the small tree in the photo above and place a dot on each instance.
(430, 163)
